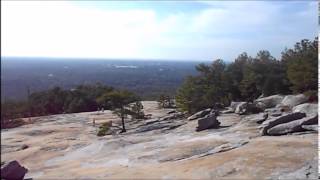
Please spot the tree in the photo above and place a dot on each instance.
(206, 89)
(248, 86)
(13, 109)
(235, 74)
(302, 64)
(263, 75)
(57, 100)
(188, 94)
(119, 102)
(136, 110)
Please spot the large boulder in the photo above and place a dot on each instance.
(200, 114)
(247, 108)
(293, 126)
(293, 100)
(308, 108)
(254, 108)
(260, 105)
(234, 105)
(13, 170)
(208, 122)
(266, 125)
(270, 101)
(241, 108)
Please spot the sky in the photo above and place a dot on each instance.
(187, 30)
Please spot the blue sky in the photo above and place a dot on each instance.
(187, 30)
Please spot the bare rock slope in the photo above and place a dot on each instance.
(166, 146)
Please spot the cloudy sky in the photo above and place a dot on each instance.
(200, 30)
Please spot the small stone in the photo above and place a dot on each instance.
(24, 147)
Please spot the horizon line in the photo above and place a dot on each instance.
(96, 58)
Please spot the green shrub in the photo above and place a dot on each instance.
(104, 129)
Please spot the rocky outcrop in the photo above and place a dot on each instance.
(270, 101)
(241, 108)
(308, 171)
(268, 124)
(199, 114)
(208, 122)
(158, 126)
(227, 110)
(247, 108)
(274, 112)
(223, 148)
(293, 100)
(260, 105)
(293, 126)
(308, 108)
(151, 121)
(170, 121)
(233, 151)
(256, 118)
(310, 127)
(171, 116)
(234, 105)
(173, 111)
(13, 170)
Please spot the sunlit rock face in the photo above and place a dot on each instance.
(165, 146)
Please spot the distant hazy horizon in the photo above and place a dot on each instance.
(105, 59)
(146, 78)
(161, 30)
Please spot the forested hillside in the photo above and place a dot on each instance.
(249, 77)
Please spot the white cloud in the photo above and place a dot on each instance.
(60, 29)
(223, 30)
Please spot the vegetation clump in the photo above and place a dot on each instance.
(248, 77)
(165, 101)
(119, 101)
(104, 129)
(83, 98)
(136, 110)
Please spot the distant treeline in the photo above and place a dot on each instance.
(249, 77)
(148, 79)
(83, 98)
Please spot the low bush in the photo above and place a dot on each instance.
(104, 129)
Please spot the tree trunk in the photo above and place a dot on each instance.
(122, 120)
